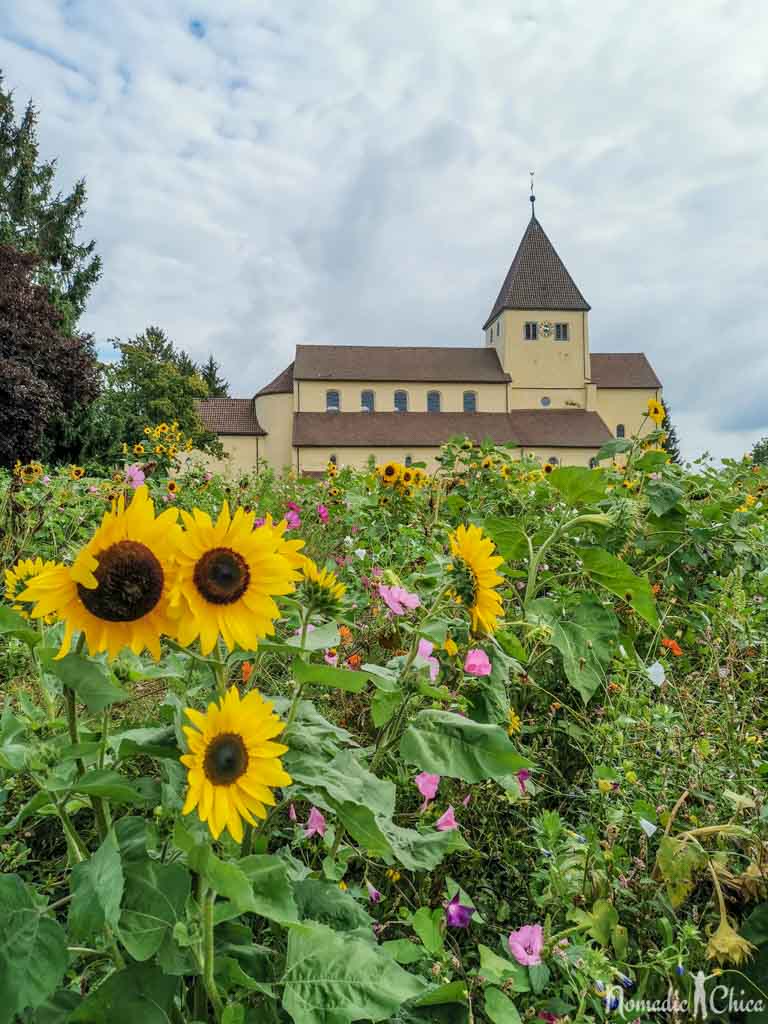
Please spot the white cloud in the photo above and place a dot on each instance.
(357, 172)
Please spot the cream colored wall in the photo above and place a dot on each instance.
(625, 405)
(275, 415)
(311, 396)
(544, 363)
(565, 456)
(560, 398)
(243, 451)
(316, 459)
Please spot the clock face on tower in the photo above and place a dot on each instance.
(546, 328)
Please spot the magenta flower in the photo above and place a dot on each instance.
(424, 650)
(398, 599)
(466, 799)
(293, 519)
(322, 514)
(293, 506)
(134, 475)
(447, 822)
(427, 785)
(377, 572)
(373, 893)
(292, 813)
(315, 824)
(331, 657)
(526, 944)
(259, 522)
(477, 663)
(457, 915)
(522, 777)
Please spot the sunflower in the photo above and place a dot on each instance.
(289, 549)
(16, 579)
(334, 492)
(28, 474)
(172, 487)
(549, 468)
(76, 472)
(476, 576)
(138, 449)
(173, 451)
(487, 462)
(406, 477)
(322, 588)
(233, 762)
(656, 411)
(159, 449)
(228, 575)
(333, 469)
(117, 591)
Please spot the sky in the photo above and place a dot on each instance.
(262, 175)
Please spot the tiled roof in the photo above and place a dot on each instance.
(622, 370)
(281, 385)
(566, 428)
(229, 416)
(537, 278)
(399, 363)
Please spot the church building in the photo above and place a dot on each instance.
(533, 382)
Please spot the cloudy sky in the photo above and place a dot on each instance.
(264, 174)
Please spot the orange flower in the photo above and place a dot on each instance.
(656, 588)
(673, 646)
(346, 634)
(354, 661)
(246, 668)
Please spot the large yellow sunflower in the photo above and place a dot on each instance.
(117, 591)
(656, 411)
(289, 549)
(227, 577)
(232, 762)
(476, 577)
(16, 579)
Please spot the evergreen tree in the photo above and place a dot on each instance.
(35, 219)
(760, 452)
(671, 442)
(217, 386)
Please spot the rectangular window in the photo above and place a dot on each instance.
(531, 331)
(366, 401)
(401, 401)
(561, 332)
(433, 401)
(332, 401)
(470, 401)
(498, 327)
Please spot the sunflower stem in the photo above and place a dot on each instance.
(209, 900)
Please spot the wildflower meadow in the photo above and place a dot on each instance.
(479, 744)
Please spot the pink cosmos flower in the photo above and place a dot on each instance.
(134, 475)
(315, 823)
(457, 915)
(331, 659)
(293, 519)
(259, 522)
(322, 514)
(447, 822)
(93, 490)
(373, 893)
(377, 572)
(526, 944)
(398, 599)
(477, 663)
(522, 777)
(425, 649)
(292, 813)
(427, 785)
(293, 507)
(466, 799)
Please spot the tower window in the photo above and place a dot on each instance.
(498, 327)
(408, 460)
(366, 401)
(531, 331)
(470, 401)
(620, 431)
(553, 460)
(546, 401)
(332, 401)
(333, 459)
(433, 401)
(401, 401)
(561, 332)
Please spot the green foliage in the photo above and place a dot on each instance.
(210, 373)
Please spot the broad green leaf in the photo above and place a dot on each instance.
(404, 951)
(613, 448)
(14, 747)
(613, 574)
(327, 675)
(451, 992)
(157, 742)
(383, 706)
(139, 993)
(271, 890)
(498, 970)
(662, 496)
(499, 1008)
(509, 538)
(33, 950)
(154, 902)
(113, 786)
(679, 863)
(37, 803)
(326, 903)
(428, 926)
(651, 462)
(134, 836)
(13, 624)
(97, 889)
(329, 977)
(578, 485)
(58, 1007)
(91, 680)
(447, 744)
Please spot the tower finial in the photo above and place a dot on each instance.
(532, 196)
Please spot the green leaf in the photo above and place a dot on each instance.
(13, 753)
(233, 1014)
(451, 992)
(498, 970)
(428, 926)
(12, 624)
(91, 680)
(578, 485)
(325, 903)
(326, 675)
(613, 574)
(404, 951)
(613, 448)
(679, 862)
(330, 978)
(383, 706)
(112, 785)
(140, 993)
(447, 744)
(97, 889)
(509, 538)
(154, 902)
(662, 496)
(33, 950)
(499, 1008)
(271, 889)
(58, 1007)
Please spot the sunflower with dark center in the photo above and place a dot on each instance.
(549, 468)
(232, 762)
(118, 590)
(475, 576)
(228, 575)
(76, 472)
(17, 577)
(172, 487)
(390, 473)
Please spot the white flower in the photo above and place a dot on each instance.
(656, 673)
(361, 552)
(348, 541)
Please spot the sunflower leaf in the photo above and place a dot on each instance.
(91, 680)
(154, 902)
(141, 992)
(326, 675)
(97, 889)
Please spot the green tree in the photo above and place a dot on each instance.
(36, 219)
(760, 452)
(671, 442)
(217, 386)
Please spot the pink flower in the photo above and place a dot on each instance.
(354, 529)
(477, 663)
(46, 479)
(134, 475)
(322, 513)
(466, 799)
(522, 777)
(93, 490)
(293, 519)
(457, 915)
(292, 813)
(398, 599)
(207, 477)
(526, 944)
(377, 572)
(259, 522)
(425, 649)
(373, 893)
(427, 785)
(331, 659)
(293, 507)
(315, 824)
(447, 822)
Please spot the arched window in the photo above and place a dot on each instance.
(408, 460)
(401, 401)
(433, 401)
(553, 460)
(332, 401)
(620, 431)
(546, 401)
(333, 459)
(366, 401)
(470, 401)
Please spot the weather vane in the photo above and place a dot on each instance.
(532, 197)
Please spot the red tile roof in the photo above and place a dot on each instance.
(281, 385)
(623, 370)
(399, 363)
(230, 416)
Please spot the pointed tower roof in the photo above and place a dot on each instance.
(537, 278)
